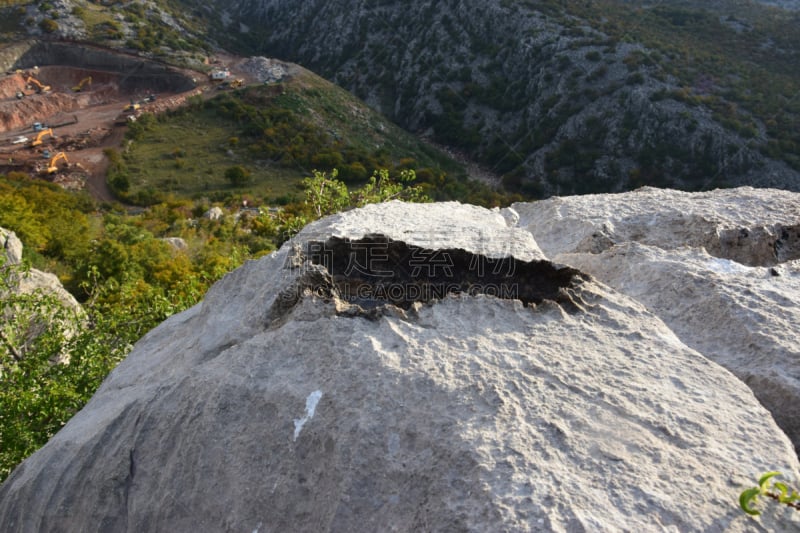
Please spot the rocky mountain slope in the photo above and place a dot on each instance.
(554, 97)
(561, 98)
(720, 5)
(427, 367)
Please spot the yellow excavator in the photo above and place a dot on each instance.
(231, 84)
(39, 136)
(53, 165)
(84, 82)
(40, 87)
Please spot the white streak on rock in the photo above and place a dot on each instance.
(311, 406)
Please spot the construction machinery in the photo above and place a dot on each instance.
(30, 81)
(231, 84)
(39, 136)
(132, 107)
(52, 166)
(83, 83)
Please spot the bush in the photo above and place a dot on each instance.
(237, 175)
(48, 25)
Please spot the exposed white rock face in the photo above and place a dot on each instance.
(11, 246)
(692, 260)
(750, 226)
(215, 213)
(176, 243)
(33, 279)
(264, 69)
(439, 225)
(293, 399)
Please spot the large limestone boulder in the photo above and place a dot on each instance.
(11, 246)
(375, 376)
(32, 280)
(720, 268)
(21, 324)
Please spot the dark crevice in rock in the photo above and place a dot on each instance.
(128, 483)
(376, 271)
(131, 467)
(761, 246)
(314, 281)
(787, 245)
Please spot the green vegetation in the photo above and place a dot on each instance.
(153, 34)
(273, 136)
(738, 60)
(744, 66)
(11, 21)
(129, 279)
(100, 22)
(770, 488)
(48, 25)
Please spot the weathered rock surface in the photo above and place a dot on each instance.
(32, 279)
(11, 246)
(215, 213)
(720, 268)
(295, 398)
(176, 243)
(264, 69)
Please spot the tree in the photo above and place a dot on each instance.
(41, 384)
(382, 188)
(326, 195)
(237, 175)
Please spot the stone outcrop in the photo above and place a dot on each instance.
(215, 213)
(29, 322)
(32, 279)
(720, 268)
(11, 246)
(409, 367)
(176, 243)
(264, 69)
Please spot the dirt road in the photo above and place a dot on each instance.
(83, 123)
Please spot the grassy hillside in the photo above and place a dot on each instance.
(261, 141)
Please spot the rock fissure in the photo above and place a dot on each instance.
(758, 246)
(376, 271)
